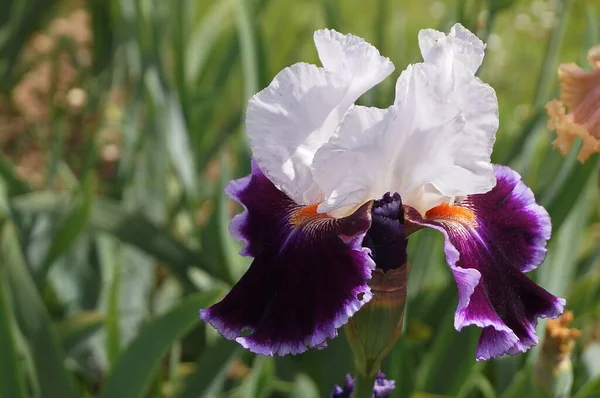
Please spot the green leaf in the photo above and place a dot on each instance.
(108, 251)
(567, 187)
(133, 372)
(204, 37)
(220, 248)
(138, 231)
(70, 228)
(259, 381)
(521, 385)
(15, 185)
(548, 73)
(559, 268)
(34, 322)
(78, 328)
(178, 145)
(305, 387)
(247, 36)
(12, 382)
(133, 228)
(450, 350)
(211, 370)
(591, 389)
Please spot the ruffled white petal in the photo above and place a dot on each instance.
(351, 168)
(459, 45)
(292, 118)
(349, 55)
(432, 146)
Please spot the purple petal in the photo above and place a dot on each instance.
(383, 388)
(307, 278)
(386, 239)
(488, 256)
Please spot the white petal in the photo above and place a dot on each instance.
(447, 139)
(289, 120)
(349, 55)
(459, 45)
(432, 146)
(348, 167)
(292, 118)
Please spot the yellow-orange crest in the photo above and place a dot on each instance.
(306, 213)
(449, 212)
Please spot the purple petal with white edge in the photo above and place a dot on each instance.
(491, 240)
(308, 276)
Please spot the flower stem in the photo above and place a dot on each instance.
(363, 386)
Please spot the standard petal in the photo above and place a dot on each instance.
(292, 118)
(444, 140)
(491, 240)
(351, 167)
(460, 45)
(308, 275)
(431, 146)
(349, 55)
(289, 120)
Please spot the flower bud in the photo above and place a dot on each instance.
(374, 329)
(553, 371)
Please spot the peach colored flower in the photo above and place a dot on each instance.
(580, 93)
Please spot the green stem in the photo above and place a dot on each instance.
(363, 386)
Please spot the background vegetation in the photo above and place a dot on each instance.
(120, 123)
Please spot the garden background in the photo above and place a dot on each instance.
(122, 120)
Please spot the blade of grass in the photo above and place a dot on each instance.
(226, 263)
(138, 231)
(211, 370)
(559, 268)
(548, 72)
(449, 350)
(259, 382)
(133, 372)
(304, 387)
(15, 185)
(591, 389)
(34, 321)
(78, 328)
(178, 145)
(12, 381)
(133, 228)
(248, 47)
(204, 37)
(568, 186)
(69, 229)
(109, 255)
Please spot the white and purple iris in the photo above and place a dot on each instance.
(319, 216)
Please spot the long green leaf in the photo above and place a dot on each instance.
(133, 228)
(591, 389)
(79, 327)
(70, 228)
(12, 382)
(34, 322)
(247, 38)
(135, 367)
(259, 381)
(109, 254)
(210, 370)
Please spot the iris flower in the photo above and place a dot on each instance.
(580, 92)
(335, 186)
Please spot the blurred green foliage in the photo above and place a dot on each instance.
(122, 120)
